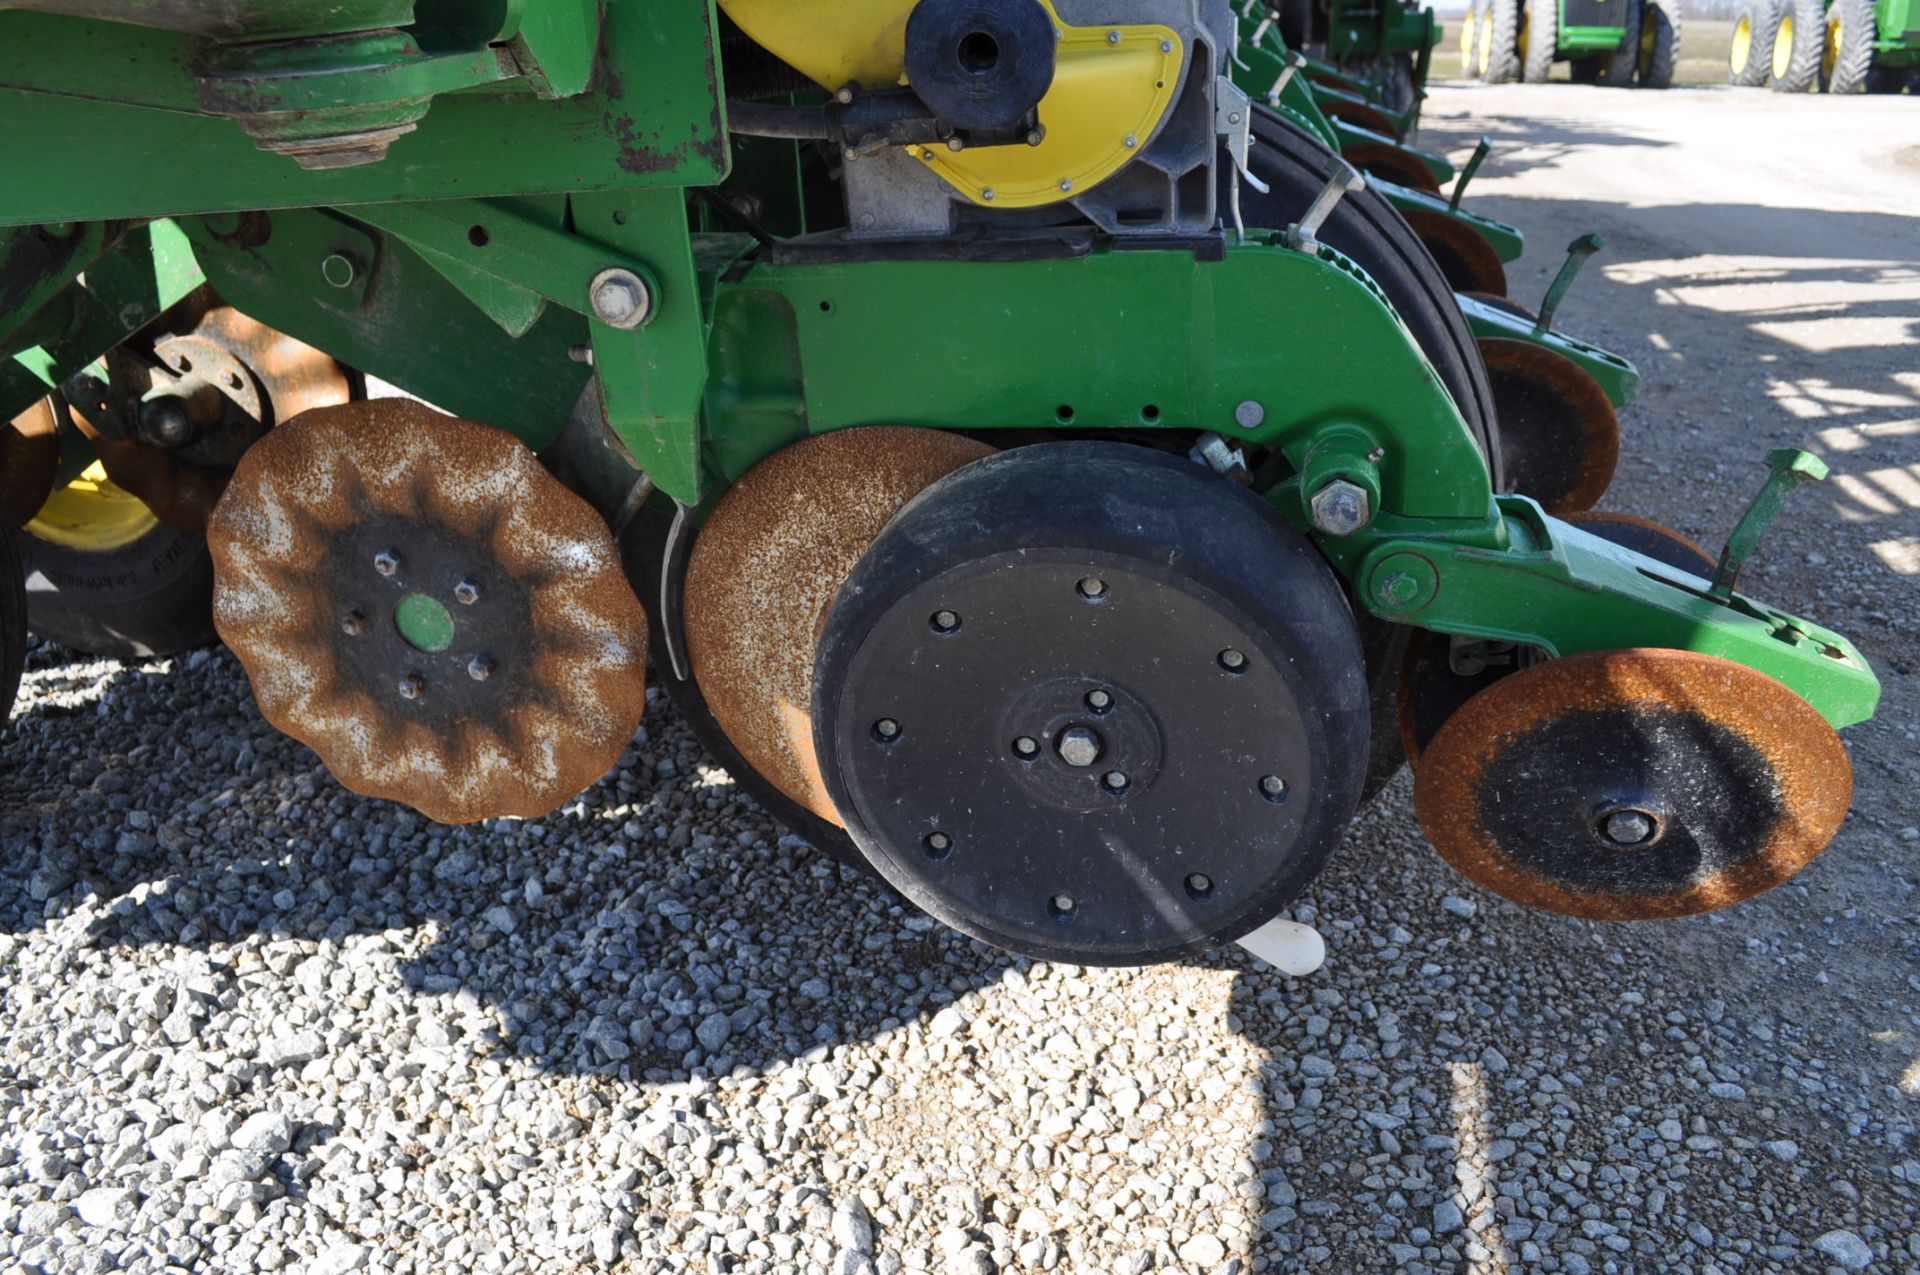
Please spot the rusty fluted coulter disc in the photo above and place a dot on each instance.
(418, 601)
(1633, 785)
(764, 573)
(1559, 434)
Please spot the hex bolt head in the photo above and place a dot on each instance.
(354, 624)
(1233, 661)
(1099, 701)
(621, 298)
(480, 668)
(1628, 828)
(1079, 746)
(944, 621)
(1025, 746)
(1062, 904)
(938, 844)
(1273, 788)
(1116, 780)
(886, 729)
(1093, 588)
(467, 592)
(412, 686)
(386, 562)
(1341, 508)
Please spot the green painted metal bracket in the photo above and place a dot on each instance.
(1558, 588)
(1353, 135)
(1618, 377)
(1506, 241)
(38, 265)
(1789, 468)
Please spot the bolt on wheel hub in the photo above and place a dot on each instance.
(421, 603)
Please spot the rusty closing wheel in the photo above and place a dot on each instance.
(1390, 163)
(418, 601)
(29, 462)
(1463, 255)
(1436, 678)
(1559, 435)
(764, 573)
(1361, 115)
(1633, 785)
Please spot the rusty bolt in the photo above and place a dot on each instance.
(386, 562)
(467, 592)
(354, 624)
(1341, 508)
(412, 686)
(620, 298)
(480, 668)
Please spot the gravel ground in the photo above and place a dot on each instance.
(252, 1022)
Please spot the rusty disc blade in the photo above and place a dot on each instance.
(417, 600)
(1361, 115)
(1649, 539)
(1390, 163)
(29, 461)
(1464, 257)
(1559, 435)
(1633, 785)
(764, 573)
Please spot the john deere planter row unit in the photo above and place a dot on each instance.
(1832, 46)
(1618, 42)
(884, 374)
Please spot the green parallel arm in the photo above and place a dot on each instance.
(1618, 377)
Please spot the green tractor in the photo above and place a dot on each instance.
(1038, 473)
(1829, 46)
(1617, 42)
(1386, 44)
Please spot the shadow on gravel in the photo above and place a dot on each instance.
(1521, 143)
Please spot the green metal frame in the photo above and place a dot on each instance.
(1619, 378)
(478, 298)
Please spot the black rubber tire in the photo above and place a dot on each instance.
(1659, 43)
(1501, 56)
(13, 622)
(1470, 43)
(1180, 518)
(149, 598)
(1586, 70)
(1762, 18)
(1617, 68)
(1542, 19)
(1809, 31)
(1395, 79)
(1853, 60)
(643, 548)
(1367, 228)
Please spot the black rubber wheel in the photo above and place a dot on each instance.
(1798, 42)
(13, 622)
(1091, 702)
(643, 546)
(1470, 42)
(1394, 79)
(1750, 58)
(1500, 56)
(1540, 36)
(1847, 46)
(1365, 227)
(1659, 43)
(1617, 68)
(151, 597)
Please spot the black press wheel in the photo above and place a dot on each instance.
(115, 581)
(1090, 702)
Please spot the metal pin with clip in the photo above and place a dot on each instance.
(1233, 119)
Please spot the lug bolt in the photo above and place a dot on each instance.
(1341, 508)
(412, 686)
(467, 592)
(354, 624)
(939, 845)
(1025, 746)
(1199, 885)
(1233, 661)
(1115, 780)
(480, 668)
(886, 729)
(1274, 789)
(1628, 828)
(1093, 588)
(386, 562)
(1062, 904)
(620, 298)
(1099, 701)
(945, 621)
(1079, 746)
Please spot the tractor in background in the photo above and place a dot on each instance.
(1828, 46)
(1616, 42)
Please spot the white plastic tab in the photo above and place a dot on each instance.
(1288, 946)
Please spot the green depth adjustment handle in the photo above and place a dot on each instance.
(1480, 153)
(1577, 254)
(1790, 468)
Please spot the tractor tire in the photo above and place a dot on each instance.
(1798, 41)
(1500, 42)
(1846, 48)
(150, 596)
(1618, 67)
(1470, 42)
(1892, 79)
(1539, 40)
(1750, 59)
(1659, 43)
(1587, 70)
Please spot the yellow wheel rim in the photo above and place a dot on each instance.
(1468, 26)
(92, 515)
(1742, 45)
(1486, 41)
(1830, 55)
(1525, 30)
(1783, 48)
